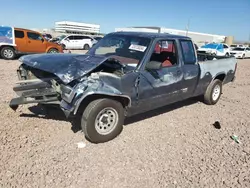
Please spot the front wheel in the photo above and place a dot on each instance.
(102, 120)
(213, 92)
(8, 53)
(53, 51)
(243, 56)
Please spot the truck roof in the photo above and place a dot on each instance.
(151, 35)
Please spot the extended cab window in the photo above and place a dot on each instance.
(19, 34)
(165, 53)
(188, 52)
(34, 36)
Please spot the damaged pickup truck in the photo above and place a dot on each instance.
(124, 74)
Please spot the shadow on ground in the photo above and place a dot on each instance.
(55, 113)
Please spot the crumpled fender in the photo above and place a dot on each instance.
(100, 89)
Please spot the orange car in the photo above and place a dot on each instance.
(14, 41)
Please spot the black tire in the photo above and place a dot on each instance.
(86, 47)
(8, 53)
(227, 54)
(53, 51)
(208, 96)
(243, 56)
(91, 126)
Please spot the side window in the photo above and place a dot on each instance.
(225, 46)
(19, 34)
(165, 53)
(188, 52)
(78, 37)
(71, 37)
(34, 36)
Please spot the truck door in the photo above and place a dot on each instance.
(190, 69)
(20, 40)
(35, 43)
(159, 87)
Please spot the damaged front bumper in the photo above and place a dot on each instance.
(34, 91)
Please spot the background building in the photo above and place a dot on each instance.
(198, 38)
(76, 28)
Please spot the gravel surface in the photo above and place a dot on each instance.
(175, 146)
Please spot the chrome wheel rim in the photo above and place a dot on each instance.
(106, 121)
(216, 92)
(8, 53)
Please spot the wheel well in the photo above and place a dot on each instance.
(52, 48)
(220, 77)
(123, 100)
(1, 47)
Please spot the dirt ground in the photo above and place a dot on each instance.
(175, 146)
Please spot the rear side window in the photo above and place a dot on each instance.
(188, 52)
(19, 34)
(78, 37)
(34, 36)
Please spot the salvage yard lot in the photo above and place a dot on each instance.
(175, 146)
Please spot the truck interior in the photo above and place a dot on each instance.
(165, 53)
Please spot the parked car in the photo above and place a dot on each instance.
(236, 46)
(15, 41)
(77, 42)
(218, 49)
(241, 52)
(144, 71)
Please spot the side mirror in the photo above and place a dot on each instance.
(153, 65)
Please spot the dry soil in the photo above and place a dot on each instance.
(175, 146)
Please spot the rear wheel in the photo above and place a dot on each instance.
(213, 92)
(8, 53)
(227, 54)
(243, 56)
(102, 120)
(86, 47)
(53, 51)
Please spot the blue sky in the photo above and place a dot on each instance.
(226, 17)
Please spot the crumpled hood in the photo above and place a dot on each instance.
(67, 67)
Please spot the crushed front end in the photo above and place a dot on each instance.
(35, 86)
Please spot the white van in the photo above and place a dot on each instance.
(77, 42)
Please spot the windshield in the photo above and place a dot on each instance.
(125, 48)
(239, 49)
(61, 37)
(210, 45)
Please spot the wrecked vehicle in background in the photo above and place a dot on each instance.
(124, 74)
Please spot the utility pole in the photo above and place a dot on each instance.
(187, 27)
